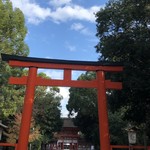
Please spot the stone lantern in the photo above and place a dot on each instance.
(132, 135)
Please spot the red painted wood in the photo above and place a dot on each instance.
(66, 82)
(99, 83)
(67, 75)
(48, 82)
(102, 112)
(15, 63)
(9, 145)
(115, 147)
(27, 110)
(113, 85)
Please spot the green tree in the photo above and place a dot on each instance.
(12, 35)
(14, 128)
(117, 126)
(123, 29)
(47, 111)
(46, 116)
(12, 30)
(83, 103)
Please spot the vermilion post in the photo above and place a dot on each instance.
(27, 110)
(102, 112)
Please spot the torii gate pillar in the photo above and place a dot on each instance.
(27, 110)
(31, 81)
(102, 112)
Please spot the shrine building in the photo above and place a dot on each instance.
(70, 138)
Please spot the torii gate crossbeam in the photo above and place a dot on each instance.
(31, 81)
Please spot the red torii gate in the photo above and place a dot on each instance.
(31, 81)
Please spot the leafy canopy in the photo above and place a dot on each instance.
(123, 29)
(83, 104)
(12, 35)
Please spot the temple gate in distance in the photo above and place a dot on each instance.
(31, 81)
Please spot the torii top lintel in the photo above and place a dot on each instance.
(21, 61)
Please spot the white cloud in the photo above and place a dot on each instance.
(73, 12)
(86, 31)
(64, 11)
(82, 29)
(77, 26)
(58, 3)
(65, 92)
(70, 47)
(33, 12)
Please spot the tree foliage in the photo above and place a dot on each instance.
(123, 29)
(83, 104)
(14, 128)
(47, 110)
(46, 116)
(12, 30)
(12, 35)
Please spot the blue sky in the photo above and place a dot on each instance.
(61, 29)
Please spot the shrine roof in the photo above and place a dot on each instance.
(6, 57)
